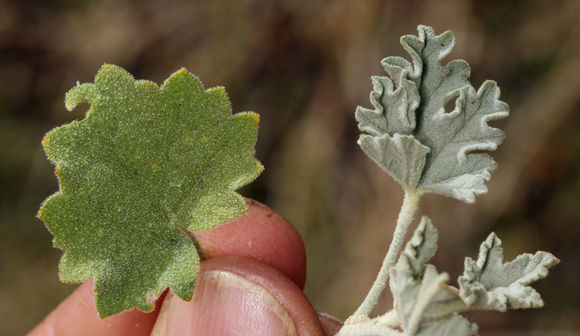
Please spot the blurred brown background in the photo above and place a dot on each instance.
(305, 66)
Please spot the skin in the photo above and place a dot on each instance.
(255, 270)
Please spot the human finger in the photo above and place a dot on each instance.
(77, 315)
(261, 234)
(239, 296)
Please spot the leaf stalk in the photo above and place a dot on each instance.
(406, 215)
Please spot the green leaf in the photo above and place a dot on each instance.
(410, 134)
(489, 283)
(144, 168)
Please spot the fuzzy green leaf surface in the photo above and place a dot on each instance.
(146, 166)
(489, 283)
(411, 134)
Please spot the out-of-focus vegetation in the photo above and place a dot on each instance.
(305, 66)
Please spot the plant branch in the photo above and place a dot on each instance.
(408, 209)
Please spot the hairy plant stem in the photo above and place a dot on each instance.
(408, 209)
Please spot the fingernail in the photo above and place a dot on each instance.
(224, 303)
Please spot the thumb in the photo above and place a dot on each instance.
(239, 296)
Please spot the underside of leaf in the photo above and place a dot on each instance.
(145, 166)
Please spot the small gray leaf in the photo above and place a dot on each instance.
(489, 283)
(420, 292)
(371, 327)
(424, 301)
(405, 288)
(452, 324)
(425, 304)
(409, 275)
(422, 245)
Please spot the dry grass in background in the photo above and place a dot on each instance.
(305, 67)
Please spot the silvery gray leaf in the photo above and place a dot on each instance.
(421, 294)
(412, 136)
(422, 245)
(407, 275)
(371, 327)
(489, 283)
(402, 156)
(450, 325)
(452, 168)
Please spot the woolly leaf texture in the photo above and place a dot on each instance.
(429, 130)
(489, 283)
(411, 134)
(425, 304)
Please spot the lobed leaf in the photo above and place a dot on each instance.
(424, 302)
(426, 305)
(410, 134)
(452, 324)
(489, 283)
(422, 245)
(144, 168)
(372, 327)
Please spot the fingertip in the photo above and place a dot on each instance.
(261, 234)
(239, 296)
(77, 315)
